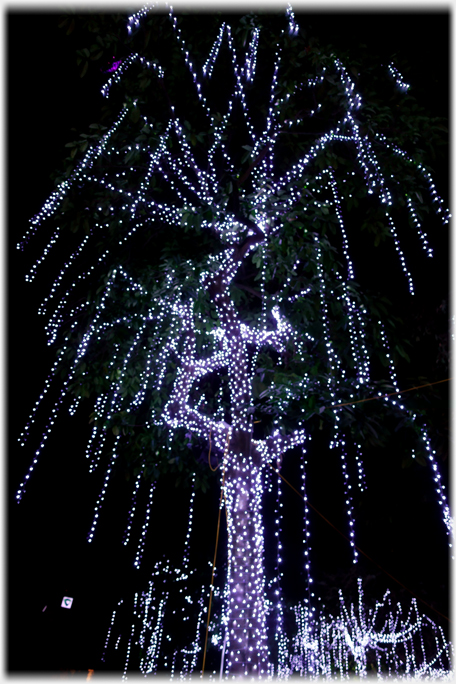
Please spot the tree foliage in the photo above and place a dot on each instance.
(152, 250)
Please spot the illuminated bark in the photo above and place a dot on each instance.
(248, 648)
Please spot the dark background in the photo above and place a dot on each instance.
(48, 556)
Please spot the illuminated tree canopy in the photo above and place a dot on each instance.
(206, 302)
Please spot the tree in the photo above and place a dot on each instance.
(208, 291)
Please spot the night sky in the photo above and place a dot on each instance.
(48, 556)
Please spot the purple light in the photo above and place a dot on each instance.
(114, 66)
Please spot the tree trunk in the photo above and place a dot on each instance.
(246, 608)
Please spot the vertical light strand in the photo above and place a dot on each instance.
(114, 612)
(102, 494)
(280, 636)
(348, 497)
(124, 675)
(131, 513)
(306, 530)
(46, 434)
(142, 540)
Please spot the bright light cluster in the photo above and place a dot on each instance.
(396, 74)
(396, 644)
(399, 644)
(117, 77)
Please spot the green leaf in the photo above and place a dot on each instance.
(402, 352)
(84, 69)
(420, 460)
(135, 114)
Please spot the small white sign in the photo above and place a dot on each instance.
(66, 602)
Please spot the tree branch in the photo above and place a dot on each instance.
(255, 162)
(278, 444)
(249, 289)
